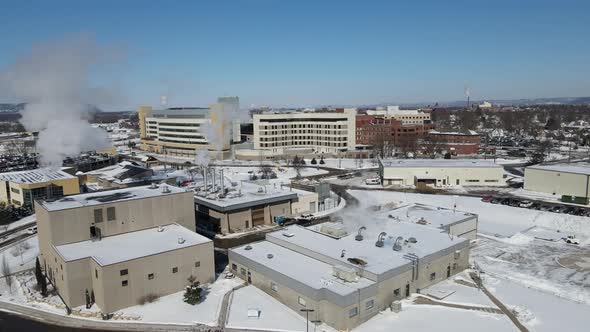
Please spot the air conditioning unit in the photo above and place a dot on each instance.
(396, 306)
(457, 254)
(345, 273)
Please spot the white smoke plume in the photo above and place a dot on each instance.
(54, 79)
(202, 158)
(224, 116)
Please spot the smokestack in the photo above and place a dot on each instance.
(214, 182)
(222, 188)
(205, 176)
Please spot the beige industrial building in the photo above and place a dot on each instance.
(304, 132)
(185, 130)
(122, 245)
(249, 206)
(407, 117)
(22, 188)
(347, 276)
(441, 172)
(570, 180)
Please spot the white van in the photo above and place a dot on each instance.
(373, 181)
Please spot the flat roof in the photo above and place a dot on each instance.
(249, 194)
(379, 259)
(465, 163)
(108, 197)
(429, 215)
(292, 264)
(564, 168)
(124, 247)
(35, 176)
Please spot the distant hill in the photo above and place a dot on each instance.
(11, 107)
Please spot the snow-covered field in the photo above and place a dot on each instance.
(172, 309)
(427, 318)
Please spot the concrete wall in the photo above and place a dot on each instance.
(445, 177)
(556, 183)
(302, 206)
(241, 220)
(466, 229)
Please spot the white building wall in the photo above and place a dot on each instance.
(556, 183)
(445, 176)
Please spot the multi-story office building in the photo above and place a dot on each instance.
(24, 187)
(305, 132)
(185, 130)
(407, 117)
(122, 245)
(386, 130)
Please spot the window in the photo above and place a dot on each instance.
(471, 180)
(150, 276)
(15, 190)
(98, 215)
(491, 180)
(396, 292)
(353, 312)
(123, 272)
(301, 301)
(111, 213)
(369, 304)
(274, 287)
(96, 273)
(433, 276)
(174, 269)
(234, 267)
(198, 263)
(124, 283)
(242, 270)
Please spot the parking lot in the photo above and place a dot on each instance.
(538, 205)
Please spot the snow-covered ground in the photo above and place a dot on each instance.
(172, 309)
(20, 222)
(452, 292)
(21, 256)
(539, 311)
(266, 313)
(494, 219)
(427, 318)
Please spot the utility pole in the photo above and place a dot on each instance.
(307, 311)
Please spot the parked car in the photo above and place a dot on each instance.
(487, 199)
(495, 200)
(571, 239)
(556, 209)
(545, 207)
(525, 204)
(32, 230)
(373, 181)
(535, 206)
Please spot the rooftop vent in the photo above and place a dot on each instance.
(286, 234)
(397, 245)
(412, 240)
(153, 185)
(160, 229)
(422, 221)
(359, 236)
(248, 247)
(380, 238)
(269, 256)
(165, 189)
(180, 240)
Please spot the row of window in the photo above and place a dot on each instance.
(301, 126)
(322, 138)
(98, 216)
(310, 143)
(150, 276)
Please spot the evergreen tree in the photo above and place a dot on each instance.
(313, 161)
(192, 294)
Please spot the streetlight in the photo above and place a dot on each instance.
(307, 311)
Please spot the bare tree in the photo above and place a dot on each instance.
(6, 273)
(408, 145)
(433, 144)
(543, 149)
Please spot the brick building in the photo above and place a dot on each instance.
(378, 128)
(463, 142)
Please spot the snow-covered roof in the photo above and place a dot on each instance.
(128, 246)
(465, 163)
(564, 168)
(109, 197)
(307, 270)
(429, 215)
(379, 260)
(248, 195)
(456, 133)
(35, 176)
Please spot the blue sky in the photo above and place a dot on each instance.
(286, 53)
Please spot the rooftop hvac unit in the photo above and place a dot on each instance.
(345, 273)
(180, 240)
(396, 306)
(165, 189)
(334, 229)
(160, 229)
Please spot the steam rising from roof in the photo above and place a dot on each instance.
(54, 79)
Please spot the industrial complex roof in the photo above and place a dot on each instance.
(249, 194)
(465, 163)
(307, 270)
(129, 246)
(378, 259)
(35, 176)
(564, 168)
(429, 215)
(109, 196)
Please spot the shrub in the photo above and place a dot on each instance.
(192, 294)
(313, 161)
